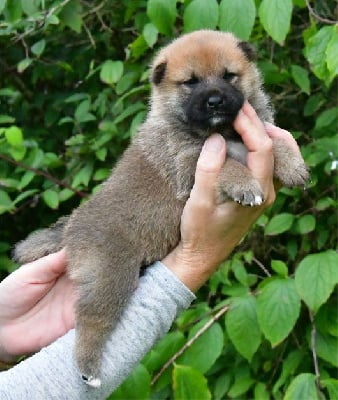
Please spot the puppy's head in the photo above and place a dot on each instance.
(201, 80)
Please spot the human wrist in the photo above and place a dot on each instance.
(192, 270)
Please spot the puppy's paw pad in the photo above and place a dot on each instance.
(91, 381)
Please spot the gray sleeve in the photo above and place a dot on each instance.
(52, 374)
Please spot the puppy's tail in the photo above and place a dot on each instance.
(41, 243)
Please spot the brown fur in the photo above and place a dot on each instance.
(134, 219)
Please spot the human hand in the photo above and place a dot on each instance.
(209, 232)
(36, 306)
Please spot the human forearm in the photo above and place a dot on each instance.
(52, 373)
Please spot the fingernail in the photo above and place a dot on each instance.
(214, 143)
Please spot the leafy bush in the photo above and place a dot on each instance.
(74, 88)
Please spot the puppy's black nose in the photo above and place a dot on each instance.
(214, 101)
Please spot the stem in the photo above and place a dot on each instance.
(200, 332)
(313, 348)
(44, 174)
(318, 17)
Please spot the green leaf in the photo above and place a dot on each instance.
(82, 113)
(83, 176)
(315, 51)
(241, 319)
(233, 19)
(135, 387)
(290, 365)
(30, 7)
(278, 307)
(243, 382)
(24, 64)
(150, 34)
(5, 202)
(51, 198)
(327, 348)
(306, 224)
(332, 387)
(280, 267)
(71, 15)
(14, 136)
(6, 119)
(316, 277)
(275, 16)
(111, 71)
(162, 13)
(2, 5)
(203, 353)
(279, 223)
(166, 348)
(302, 387)
(38, 47)
(189, 384)
(261, 392)
(27, 177)
(301, 76)
(13, 10)
(24, 195)
(200, 14)
(331, 53)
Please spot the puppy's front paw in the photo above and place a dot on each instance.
(290, 167)
(247, 194)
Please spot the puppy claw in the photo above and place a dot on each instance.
(91, 381)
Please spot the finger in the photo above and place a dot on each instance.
(45, 269)
(251, 129)
(277, 133)
(209, 164)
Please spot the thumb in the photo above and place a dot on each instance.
(44, 269)
(209, 164)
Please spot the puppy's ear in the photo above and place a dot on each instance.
(249, 50)
(158, 73)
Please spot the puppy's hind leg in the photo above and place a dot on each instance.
(103, 286)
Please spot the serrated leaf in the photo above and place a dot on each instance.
(200, 14)
(302, 387)
(278, 307)
(24, 64)
(51, 198)
(38, 47)
(162, 13)
(233, 19)
(111, 71)
(14, 136)
(279, 223)
(241, 319)
(203, 353)
(189, 384)
(316, 277)
(275, 16)
(301, 76)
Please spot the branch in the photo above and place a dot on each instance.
(313, 348)
(200, 332)
(44, 174)
(318, 17)
(261, 266)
